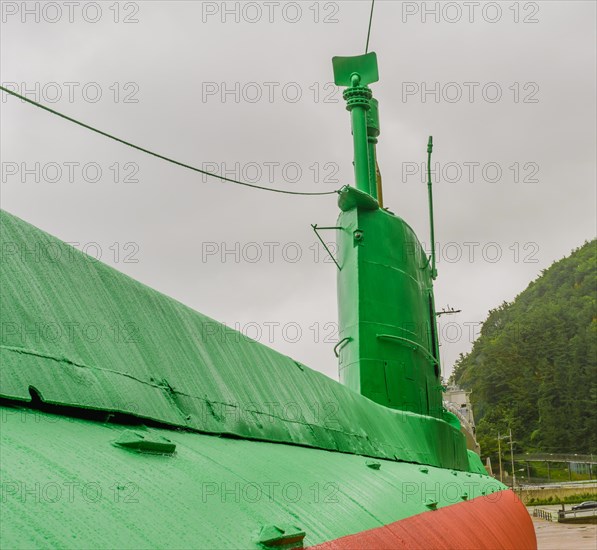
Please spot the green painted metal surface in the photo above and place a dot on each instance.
(65, 484)
(386, 309)
(356, 72)
(365, 66)
(385, 294)
(430, 201)
(373, 131)
(475, 463)
(84, 335)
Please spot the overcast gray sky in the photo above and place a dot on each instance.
(506, 88)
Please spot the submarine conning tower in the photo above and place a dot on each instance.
(388, 345)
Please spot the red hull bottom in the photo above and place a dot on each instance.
(497, 521)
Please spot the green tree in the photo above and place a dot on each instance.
(534, 366)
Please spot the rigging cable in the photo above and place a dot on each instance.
(370, 21)
(162, 157)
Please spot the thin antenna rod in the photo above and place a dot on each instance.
(431, 222)
(369, 31)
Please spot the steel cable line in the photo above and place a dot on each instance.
(162, 157)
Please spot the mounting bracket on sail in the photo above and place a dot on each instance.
(365, 66)
(316, 229)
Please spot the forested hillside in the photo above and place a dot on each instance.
(534, 366)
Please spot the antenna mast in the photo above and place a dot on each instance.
(430, 193)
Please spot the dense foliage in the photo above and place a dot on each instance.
(534, 366)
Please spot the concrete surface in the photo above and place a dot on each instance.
(564, 536)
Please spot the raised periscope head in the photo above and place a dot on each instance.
(388, 348)
(356, 73)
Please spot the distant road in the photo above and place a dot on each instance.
(561, 485)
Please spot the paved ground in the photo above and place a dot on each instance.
(564, 536)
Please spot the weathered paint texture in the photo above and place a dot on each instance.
(497, 521)
(389, 349)
(84, 335)
(68, 483)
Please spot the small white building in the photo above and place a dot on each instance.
(456, 400)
